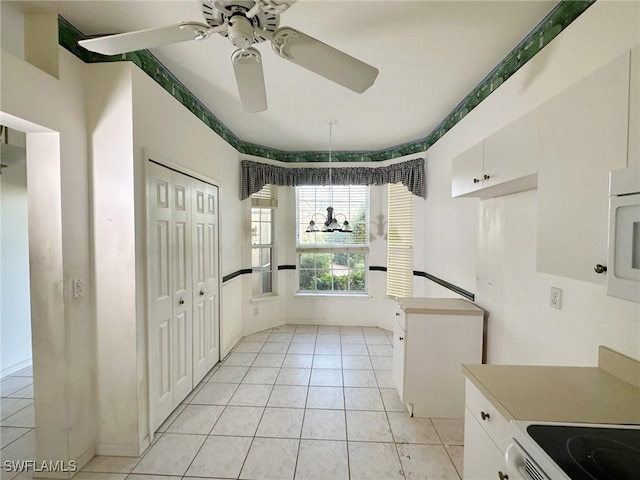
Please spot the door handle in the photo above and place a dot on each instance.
(201, 293)
(181, 301)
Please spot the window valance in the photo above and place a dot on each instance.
(256, 175)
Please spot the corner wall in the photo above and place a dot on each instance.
(462, 233)
(52, 112)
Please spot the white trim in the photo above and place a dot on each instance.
(110, 450)
(265, 298)
(359, 295)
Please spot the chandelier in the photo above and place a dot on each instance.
(330, 223)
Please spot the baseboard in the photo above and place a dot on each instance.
(224, 353)
(110, 450)
(85, 457)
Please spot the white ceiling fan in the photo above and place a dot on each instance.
(245, 22)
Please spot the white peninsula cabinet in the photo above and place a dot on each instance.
(433, 337)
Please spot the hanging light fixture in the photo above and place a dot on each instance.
(331, 223)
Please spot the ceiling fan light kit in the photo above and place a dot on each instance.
(245, 22)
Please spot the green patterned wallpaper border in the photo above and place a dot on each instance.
(557, 20)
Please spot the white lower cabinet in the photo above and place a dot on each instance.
(398, 357)
(486, 437)
(482, 459)
(433, 337)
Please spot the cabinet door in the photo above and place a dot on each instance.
(466, 171)
(399, 342)
(482, 459)
(511, 153)
(583, 135)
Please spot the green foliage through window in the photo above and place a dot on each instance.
(333, 262)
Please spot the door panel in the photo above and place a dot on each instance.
(160, 302)
(164, 370)
(212, 281)
(199, 218)
(183, 286)
(182, 289)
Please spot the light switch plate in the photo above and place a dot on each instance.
(77, 288)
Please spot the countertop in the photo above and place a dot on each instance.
(557, 394)
(446, 306)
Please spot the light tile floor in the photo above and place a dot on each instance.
(17, 422)
(303, 402)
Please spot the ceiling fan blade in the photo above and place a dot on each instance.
(152, 37)
(247, 66)
(320, 58)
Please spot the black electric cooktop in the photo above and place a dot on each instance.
(591, 453)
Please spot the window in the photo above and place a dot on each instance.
(333, 262)
(263, 206)
(400, 242)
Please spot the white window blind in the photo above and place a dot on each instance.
(267, 197)
(400, 242)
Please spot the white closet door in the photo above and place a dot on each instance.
(159, 256)
(212, 281)
(182, 288)
(200, 263)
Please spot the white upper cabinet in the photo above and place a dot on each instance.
(583, 135)
(466, 172)
(510, 155)
(505, 162)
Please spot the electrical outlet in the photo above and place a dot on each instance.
(77, 288)
(555, 300)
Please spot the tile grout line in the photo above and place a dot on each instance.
(273, 384)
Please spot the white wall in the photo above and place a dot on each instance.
(461, 234)
(52, 112)
(110, 125)
(165, 129)
(374, 309)
(132, 119)
(15, 327)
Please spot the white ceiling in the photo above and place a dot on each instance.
(430, 54)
